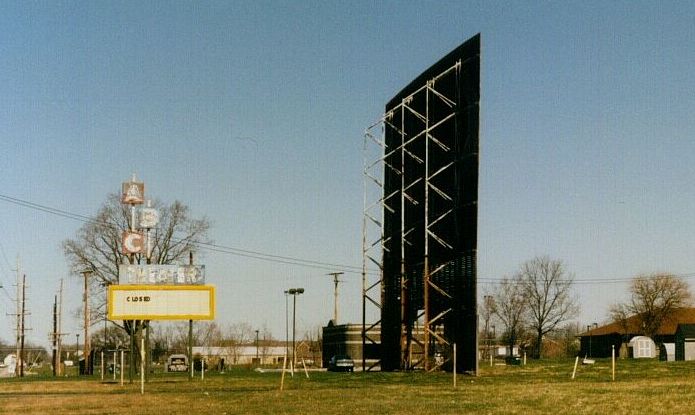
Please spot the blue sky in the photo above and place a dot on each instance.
(252, 113)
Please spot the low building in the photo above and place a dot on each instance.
(600, 341)
(642, 347)
(685, 342)
(346, 339)
(241, 355)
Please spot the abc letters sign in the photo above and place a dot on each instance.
(133, 242)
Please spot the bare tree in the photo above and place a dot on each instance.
(97, 245)
(620, 314)
(486, 312)
(509, 308)
(238, 335)
(547, 288)
(265, 340)
(653, 299)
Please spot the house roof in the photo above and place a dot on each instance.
(687, 330)
(683, 315)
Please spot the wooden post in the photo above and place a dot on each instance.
(613, 360)
(574, 372)
(454, 365)
(306, 372)
(142, 365)
(284, 366)
(122, 361)
(146, 362)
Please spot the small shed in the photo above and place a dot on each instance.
(643, 347)
(685, 342)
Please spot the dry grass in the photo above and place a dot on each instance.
(540, 387)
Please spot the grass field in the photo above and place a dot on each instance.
(543, 387)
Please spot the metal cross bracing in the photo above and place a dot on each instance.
(372, 237)
(419, 162)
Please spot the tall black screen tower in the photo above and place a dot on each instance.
(430, 216)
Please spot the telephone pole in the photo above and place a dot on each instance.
(55, 336)
(335, 295)
(59, 332)
(20, 358)
(87, 342)
(18, 316)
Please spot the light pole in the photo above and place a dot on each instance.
(294, 292)
(257, 361)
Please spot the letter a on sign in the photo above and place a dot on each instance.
(133, 193)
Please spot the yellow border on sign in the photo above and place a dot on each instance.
(209, 288)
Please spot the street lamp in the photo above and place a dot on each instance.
(294, 292)
(257, 361)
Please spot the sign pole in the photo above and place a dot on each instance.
(190, 331)
(142, 365)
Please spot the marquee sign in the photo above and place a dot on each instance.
(161, 302)
(156, 274)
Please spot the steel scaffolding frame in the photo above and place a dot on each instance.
(373, 242)
(420, 180)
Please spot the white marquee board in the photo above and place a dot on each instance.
(161, 302)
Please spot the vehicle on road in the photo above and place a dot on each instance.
(177, 363)
(341, 363)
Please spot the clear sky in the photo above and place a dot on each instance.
(252, 113)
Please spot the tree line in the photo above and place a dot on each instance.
(531, 304)
(537, 303)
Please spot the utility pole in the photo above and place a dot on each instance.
(59, 334)
(335, 295)
(87, 345)
(20, 358)
(21, 328)
(18, 315)
(257, 361)
(55, 335)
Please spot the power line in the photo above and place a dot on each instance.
(262, 256)
(9, 267)
(204, 245)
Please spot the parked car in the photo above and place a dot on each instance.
(341, 363)
(177, 363)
